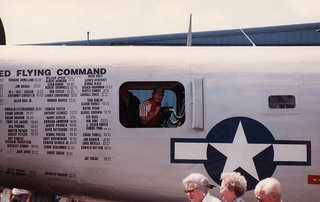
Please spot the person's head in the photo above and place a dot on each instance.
(124, 89)
(157, 95)
(233, 185)
(268, 190)
(196, 186)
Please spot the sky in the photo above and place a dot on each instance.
(40, 21)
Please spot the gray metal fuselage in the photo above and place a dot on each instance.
(92, 153)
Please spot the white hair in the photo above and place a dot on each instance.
(200, 180)
(268, 185)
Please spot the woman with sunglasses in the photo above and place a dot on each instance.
(197, 188)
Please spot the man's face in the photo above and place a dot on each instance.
(157, 97)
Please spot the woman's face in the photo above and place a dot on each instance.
(225, 193)
(194, 193)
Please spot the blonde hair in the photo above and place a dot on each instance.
(235, 182)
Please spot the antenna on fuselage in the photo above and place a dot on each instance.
(189, 37)
(247, 37)
(2, 34)
(88, 39)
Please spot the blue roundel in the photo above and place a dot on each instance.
(255, 134)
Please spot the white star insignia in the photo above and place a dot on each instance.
(240, 153)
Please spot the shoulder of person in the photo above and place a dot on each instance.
(212, 199)
(239, 200)
(216, 199)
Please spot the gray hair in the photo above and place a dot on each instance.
(268, 185)
(200, 180)
(235, 182)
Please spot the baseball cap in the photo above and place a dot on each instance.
(158, 90)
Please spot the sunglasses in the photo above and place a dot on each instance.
(190, 191)
(260, 198)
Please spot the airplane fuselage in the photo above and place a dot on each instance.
(252, 110)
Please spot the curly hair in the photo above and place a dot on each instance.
(235, 182)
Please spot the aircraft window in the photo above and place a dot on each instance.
(151, 104)
(282, 101)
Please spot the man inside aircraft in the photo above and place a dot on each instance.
(150, 115)
(20, 195)
(268, 190)
(129, 107)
